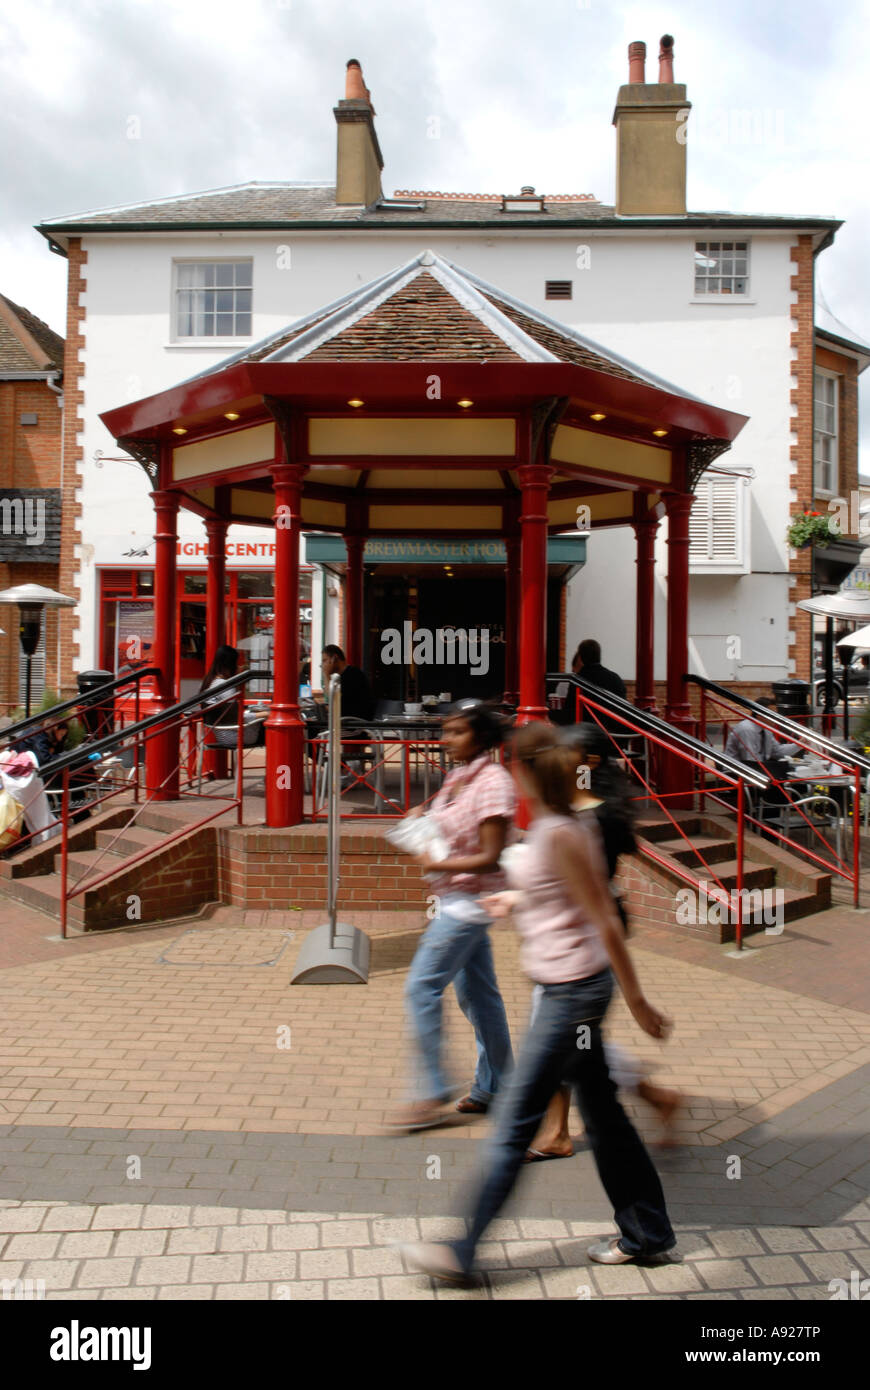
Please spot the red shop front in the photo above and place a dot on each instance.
(126, 614)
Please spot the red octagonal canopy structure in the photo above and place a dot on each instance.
(430, 403)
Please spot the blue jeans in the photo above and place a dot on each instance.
(460, 951)
(564, 1044)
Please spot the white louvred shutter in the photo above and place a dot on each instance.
(723, 507)
(714, 526)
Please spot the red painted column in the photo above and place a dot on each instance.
(162, 748)
(511, 615)
(676, 774)
(644, 665)
(215, 763)
(285, 732)
(534, 479)
(353, 599)
(215, 599)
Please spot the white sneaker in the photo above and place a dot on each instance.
(609, 1252)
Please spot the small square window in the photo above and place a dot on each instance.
(721, 267)
(213, 299)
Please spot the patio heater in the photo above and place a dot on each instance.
(31, 600)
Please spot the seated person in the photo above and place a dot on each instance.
(749, 743)
(357, 701)
(219, 712)
(45, 743)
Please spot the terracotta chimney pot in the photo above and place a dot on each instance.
(666, 59)
(636, 61)
(354, 87)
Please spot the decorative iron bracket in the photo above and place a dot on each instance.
(146, 452)
(699, 455)
(546, 415)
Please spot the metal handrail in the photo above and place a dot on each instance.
(13, 732)
(652, 723)
(780, 723)
(93, 752)
(177, 713)
(853, 765)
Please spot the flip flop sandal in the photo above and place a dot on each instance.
(467, 1106)
(535, 1156)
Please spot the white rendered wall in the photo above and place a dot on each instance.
(634, 297)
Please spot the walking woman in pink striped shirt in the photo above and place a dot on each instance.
(573, 946)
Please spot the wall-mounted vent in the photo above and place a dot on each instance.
(559, 289)
(28, 417)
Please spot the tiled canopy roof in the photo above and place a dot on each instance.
(431, 310)
(17, 327)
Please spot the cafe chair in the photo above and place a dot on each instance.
(362, 753)
(823, 813)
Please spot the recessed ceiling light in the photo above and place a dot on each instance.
(465, 404)
(231, 415)
(179, 429)
(660, 434)
(598, 416)
(356, 402)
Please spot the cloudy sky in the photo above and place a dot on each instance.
(220, 92)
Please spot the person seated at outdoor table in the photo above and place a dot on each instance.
(749, 743)
(357, 701)
(220, 710)
(44, 743)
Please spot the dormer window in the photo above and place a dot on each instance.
(528, 201)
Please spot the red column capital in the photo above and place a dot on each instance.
(678, 504)
(166, 502)
(534, 474)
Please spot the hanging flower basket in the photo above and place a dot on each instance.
(810, 528)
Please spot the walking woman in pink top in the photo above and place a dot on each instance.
(573, 945)
(474, 812)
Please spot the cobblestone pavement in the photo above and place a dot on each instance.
(176, 1121)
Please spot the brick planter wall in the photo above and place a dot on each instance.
(287, 868)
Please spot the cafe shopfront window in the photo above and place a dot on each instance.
(126, 630)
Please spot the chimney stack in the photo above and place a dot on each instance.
(650, 120)
(359, 160)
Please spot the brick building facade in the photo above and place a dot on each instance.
(31, 488)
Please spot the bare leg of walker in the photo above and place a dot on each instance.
(552, 1139)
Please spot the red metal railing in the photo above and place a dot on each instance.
(734, 710)
(85, 768)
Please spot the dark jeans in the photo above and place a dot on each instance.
(564, 1043)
